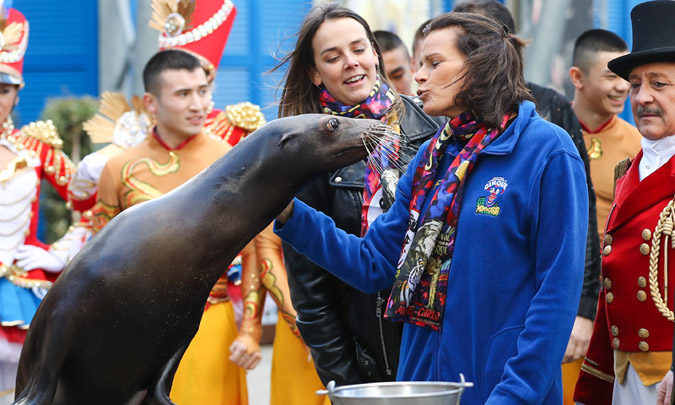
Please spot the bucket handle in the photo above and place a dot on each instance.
(330, 388)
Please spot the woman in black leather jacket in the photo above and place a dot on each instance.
(336, 67)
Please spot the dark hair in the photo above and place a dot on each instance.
(419, 35)
(590, 42)
(493, 70)
(388, 41)
(298, 94)
(170, 59)
(489, 8)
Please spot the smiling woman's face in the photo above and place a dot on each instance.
(344, 59)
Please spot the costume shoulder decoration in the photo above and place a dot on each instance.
(245, 115)
(43, 131)
(119, 122)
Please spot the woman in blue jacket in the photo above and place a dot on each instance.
(485, 241)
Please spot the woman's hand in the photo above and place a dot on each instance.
(286, 214)
(579, 340)
(30, 257)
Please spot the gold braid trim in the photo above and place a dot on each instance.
(665, 226)
(245, 115)
(597, 373)
(19, 277)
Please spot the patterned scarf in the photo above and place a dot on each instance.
(375, 106)
(418, 295)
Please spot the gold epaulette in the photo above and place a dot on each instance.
(43, 131)
(620, 170)
(245, 115)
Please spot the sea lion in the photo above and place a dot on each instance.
(114, 326)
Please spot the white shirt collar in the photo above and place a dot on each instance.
(655, 154)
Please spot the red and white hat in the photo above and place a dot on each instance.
(200, 27)
(13, 43)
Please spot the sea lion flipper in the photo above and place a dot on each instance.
(160, 393)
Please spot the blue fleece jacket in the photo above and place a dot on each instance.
(516, 273)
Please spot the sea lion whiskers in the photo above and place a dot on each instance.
(392, 150)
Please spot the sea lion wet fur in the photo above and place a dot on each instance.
(114, 326)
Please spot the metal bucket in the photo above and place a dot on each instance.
(397, 393)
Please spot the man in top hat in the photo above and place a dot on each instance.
(630, 350)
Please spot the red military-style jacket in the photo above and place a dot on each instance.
(632, 312)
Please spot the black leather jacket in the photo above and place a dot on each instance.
(343, 327)
(555, 108)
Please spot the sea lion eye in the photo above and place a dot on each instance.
(332, 124)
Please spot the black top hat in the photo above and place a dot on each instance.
(653, 37)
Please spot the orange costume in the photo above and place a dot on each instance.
(294, 379)
(634, 323)
(608, 145)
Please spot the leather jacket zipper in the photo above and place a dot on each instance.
(378, 314)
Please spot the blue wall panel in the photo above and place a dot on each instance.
(259, 28)
(62, 54)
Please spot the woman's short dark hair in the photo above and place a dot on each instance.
(298, 93)
(493, 70)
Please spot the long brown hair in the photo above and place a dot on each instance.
(493, 70)
(298, 94)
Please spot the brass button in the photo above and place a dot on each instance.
(607, 250)
(615, 330)
(615, 343)
(643, 333)
(641, 296)
(642, 282)
(608, 239)
(608, 283)
(609, 298)
(644, 346)
(646, 234)
(644, 249)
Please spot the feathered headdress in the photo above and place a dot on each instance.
(200, 27)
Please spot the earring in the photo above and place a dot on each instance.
(210, 107)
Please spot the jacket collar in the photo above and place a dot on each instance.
(507, 141)
(634, 196)
(415, 124)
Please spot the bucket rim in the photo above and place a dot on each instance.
(447, 387)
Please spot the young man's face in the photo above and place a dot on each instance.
(182, 103)
(605, 91)
(397, 63)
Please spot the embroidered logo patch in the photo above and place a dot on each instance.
(489, 205)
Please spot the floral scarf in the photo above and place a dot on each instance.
(375, 106)
(418, 294)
